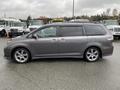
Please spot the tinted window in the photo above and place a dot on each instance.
(94, 30)
(46, 32)
(71, 31)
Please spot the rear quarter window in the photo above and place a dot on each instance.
(92, 30)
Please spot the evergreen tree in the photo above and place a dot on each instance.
(28, 21)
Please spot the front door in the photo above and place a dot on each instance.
(46, 42)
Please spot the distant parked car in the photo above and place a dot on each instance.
(12, 27)
(57, 21)
(115, 30)
(79, 21)
(2, 31)
(89, 41)
(35, 24)
(113, 26)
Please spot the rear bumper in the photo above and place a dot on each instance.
(108, 51)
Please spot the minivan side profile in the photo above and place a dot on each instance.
(89, 41)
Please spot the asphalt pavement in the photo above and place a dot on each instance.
(61, 74)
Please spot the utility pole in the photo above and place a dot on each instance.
(73, 9)
(4, 15)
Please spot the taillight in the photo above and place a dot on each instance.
(110, 37)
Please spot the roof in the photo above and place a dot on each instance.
(79, 21)
(70, 24)
(10, 19)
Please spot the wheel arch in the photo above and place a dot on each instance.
(13, 50)
(95, 47)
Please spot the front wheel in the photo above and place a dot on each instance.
(3, 33)
(21, 55)
(92, 54)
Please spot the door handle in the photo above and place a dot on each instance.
(54, 39)
(62, 39)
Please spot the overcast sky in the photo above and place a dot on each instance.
(54, 8)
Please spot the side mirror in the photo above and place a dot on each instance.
(34, 36)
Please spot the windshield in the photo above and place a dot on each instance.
(36, 22)
(18, 24)
(2, 23)
(111, 22)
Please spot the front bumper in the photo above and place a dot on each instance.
(15, 33)
(116, 34)
(7, 53)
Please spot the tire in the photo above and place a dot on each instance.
(92, 54)
(119, 37)
(0, 33)
(21, 55)
(3, 33)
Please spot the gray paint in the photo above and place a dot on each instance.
(61, 46)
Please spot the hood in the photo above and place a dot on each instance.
(19, 38)
(27, 30)
(35, 26)
(1, 28)
(113, 26)
(19, 28)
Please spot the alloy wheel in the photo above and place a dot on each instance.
(92, 54)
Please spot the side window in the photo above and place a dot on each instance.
(71, 31)
(94, 30)
(47, 32)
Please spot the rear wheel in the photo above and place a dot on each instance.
(21, 55)
(92, 54)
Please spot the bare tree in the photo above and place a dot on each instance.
(115, 12)
(108, 11)
(28, 21)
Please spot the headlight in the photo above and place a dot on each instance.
(110, 38)
(9, 41)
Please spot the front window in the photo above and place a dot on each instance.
(46, 32)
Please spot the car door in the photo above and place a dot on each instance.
(72, 40)
(46, 42)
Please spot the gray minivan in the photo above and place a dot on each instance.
(62, 40)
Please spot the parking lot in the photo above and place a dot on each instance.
(61, 74)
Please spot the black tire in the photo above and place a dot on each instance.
(119, 37)
(22, 58)
(3, 33)
(92, 57)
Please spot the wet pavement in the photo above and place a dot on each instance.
(61, 74)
